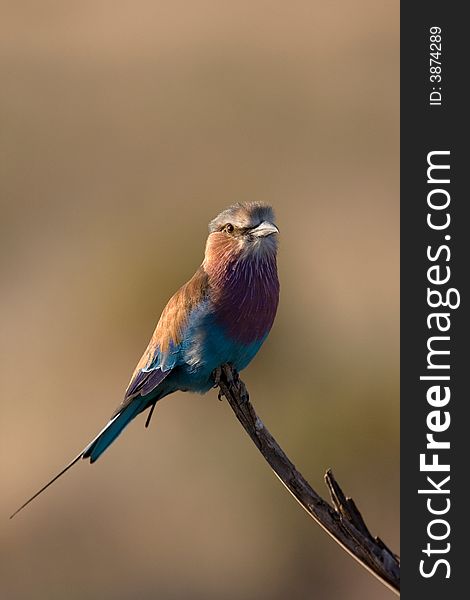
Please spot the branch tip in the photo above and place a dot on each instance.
(342, 521)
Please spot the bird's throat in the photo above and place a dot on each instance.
(245, 295)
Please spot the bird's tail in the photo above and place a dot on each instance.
(99, 444)
(107, 436)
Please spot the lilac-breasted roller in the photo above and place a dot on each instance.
(221, 315)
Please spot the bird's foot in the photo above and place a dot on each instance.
(216, 375)
(230, 374)
(236, 385)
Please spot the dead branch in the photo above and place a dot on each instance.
(342, 521)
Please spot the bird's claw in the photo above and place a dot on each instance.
(225, 369)
(216, 375)
(234, 383)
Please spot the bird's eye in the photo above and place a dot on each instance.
(229, 228)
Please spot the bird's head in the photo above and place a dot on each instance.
(242, 231)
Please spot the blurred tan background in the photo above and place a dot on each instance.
(125, 127)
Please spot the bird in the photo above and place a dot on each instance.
(221, 316)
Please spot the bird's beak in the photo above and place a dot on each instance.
(264, 229)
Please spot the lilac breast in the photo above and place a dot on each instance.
(246, 298)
